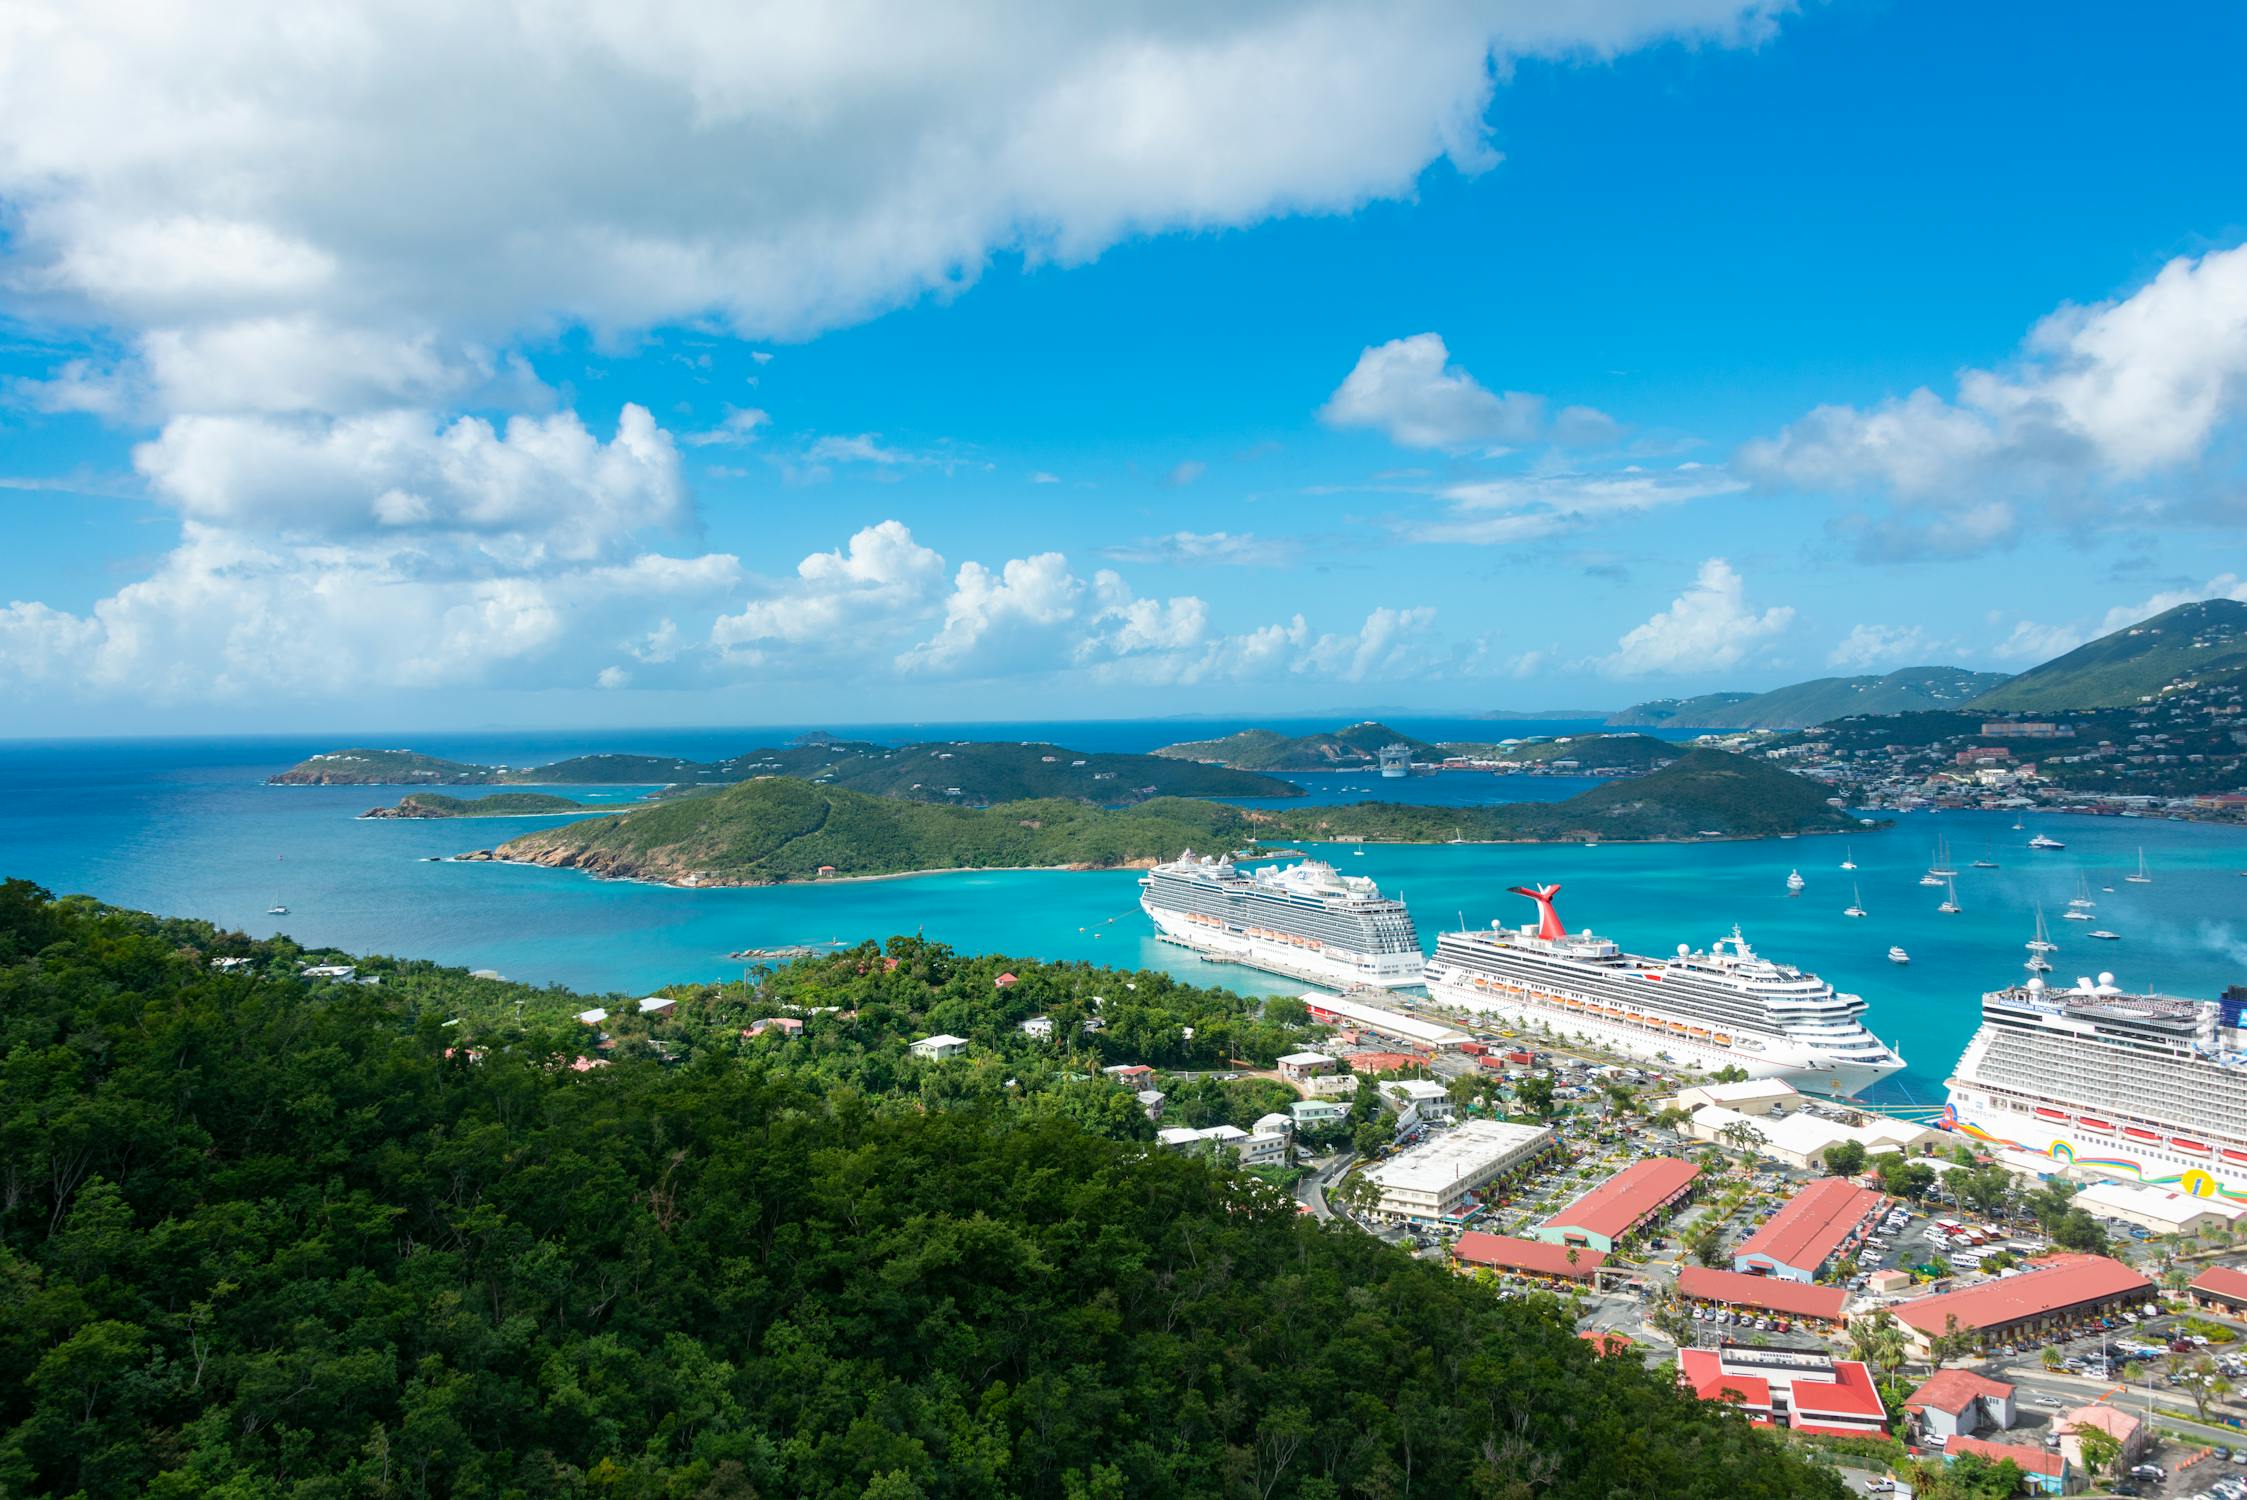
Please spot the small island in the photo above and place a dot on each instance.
(497, 805)
(784, 829)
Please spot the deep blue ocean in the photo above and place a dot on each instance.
(186, 827)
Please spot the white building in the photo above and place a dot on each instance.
(1151, 1100)
(1753, 1096)
(329, 971)
(1297, 1066)
(1318, 1111)
(656, 1005)
(1802, 1140)
(939, 1047)
(593, 1017)
(2158, 1209)
(1427, 1036)
(1431, 1101)
(1252, 1150)
(1275, 1124)
(1331, 1085)
(1431, 1181)
(1038, 1028)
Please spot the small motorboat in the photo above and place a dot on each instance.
(276, 911)
(1794, 882)
(1897, 955)
(2104, 936)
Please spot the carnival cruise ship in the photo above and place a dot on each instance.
(1726, 1007)
(1306, 920)
(2145, 1088)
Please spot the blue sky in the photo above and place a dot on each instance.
(1289, 359)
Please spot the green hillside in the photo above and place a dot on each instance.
(2134, 664)
(276, 1236)
(1703, 792)
(1352, 748)
(1626, 754)
(966, 773)
(780, 828)
(1819, 701)
(496, 805)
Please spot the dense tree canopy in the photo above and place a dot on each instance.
(264, 1235)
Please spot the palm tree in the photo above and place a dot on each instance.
(2052, 1358)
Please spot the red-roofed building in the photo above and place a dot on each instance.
(2113, 1421)
(1813, 1227)
(1006, 981)
(1622, 1205)
(1606, 1341)
(2058, 1292)
(2221, 1289)
(1383, 1062)
(1960, 1403)
(2042, 1473)
(1532, 1258)
(1763, 1294)
(785, 1025)
(1796, 1388)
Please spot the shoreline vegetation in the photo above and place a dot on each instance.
(781, 830)
(497, 805)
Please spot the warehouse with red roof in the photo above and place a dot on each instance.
(1814, 1226)
(1622, 1205)
(1533, 1258)
(2056, 1293)
(1762, 1294)
(2221, 1289)
(1960, 1403)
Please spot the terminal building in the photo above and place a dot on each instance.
(1395, 1025)
(2158, 1209)
(1816, 1225)
(2221, 1290)
(1619, 1207)
(2056, 1293)
(1433, 1182)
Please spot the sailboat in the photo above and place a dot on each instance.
(2143, 877)
(1849, 859)
(1949, 908)
(1856, 906)
(276, 910)
(1987, 861)
(2042, 942)
(1942, 865)
(2038, 964)
(1794, 882)
(2080, 905)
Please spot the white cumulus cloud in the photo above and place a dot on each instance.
(1711, 625)
(1409, 391)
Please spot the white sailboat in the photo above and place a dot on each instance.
(1987, 861)
(1856, 906)
(2042, 942)
(1849, 859)
(2080, 905)
(2143, 877)
(1949, 908)
(1942, 865)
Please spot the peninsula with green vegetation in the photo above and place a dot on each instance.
(2174, 651)
(496, 805)
(1907, 690)
(273, 1230)
(967, 773)
(1356, 747)
(1572, 754)
(782, 829)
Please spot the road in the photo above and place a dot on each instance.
(1311, 1190)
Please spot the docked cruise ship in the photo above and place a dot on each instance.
(1305, 920)
(1726, 1007)
(2145, 1088)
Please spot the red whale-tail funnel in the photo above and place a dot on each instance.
(1548, 920)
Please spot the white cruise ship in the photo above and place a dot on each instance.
(1305, 920)
(1726, 1007)
(2145, 1088)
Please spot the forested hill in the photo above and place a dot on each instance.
(963, 772)
(777, 830)
(265, 1236)
(1819, 701)
(1354, 747)
(2192, 642)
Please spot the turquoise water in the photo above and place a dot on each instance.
(186, 828)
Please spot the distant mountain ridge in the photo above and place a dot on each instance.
(1818, 701)
(2132, 665)
(964, 772)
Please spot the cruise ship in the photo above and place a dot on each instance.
(1306, 920)
(1726, 1007)
(2144, 1088)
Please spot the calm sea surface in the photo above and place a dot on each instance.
(187, 828)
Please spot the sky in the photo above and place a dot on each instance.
(480, 366)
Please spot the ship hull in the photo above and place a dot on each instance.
(1795, 1066)
(1223, 944)
(2108, 1153)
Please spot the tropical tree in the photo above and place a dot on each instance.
(2101, 1450)
(2052, 1358)
(1845, 1158)
(1743, 1137)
